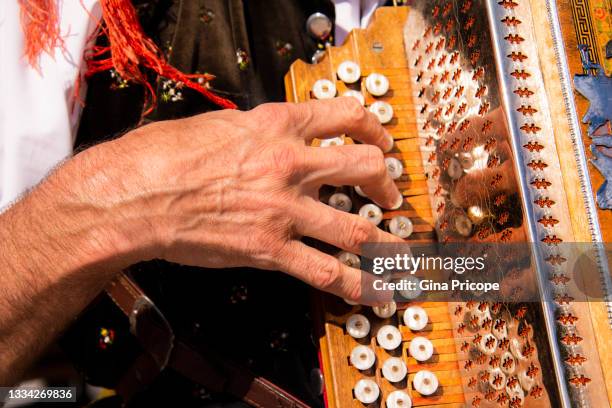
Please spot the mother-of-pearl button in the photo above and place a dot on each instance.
(362, 357)
(410, 294)
(401, 226)
(333, 141)
(357, 95)
(324, 89)
(366, 391)
(340, 201)
(349, 72)
(382, 110)
(389, 337)
(415, 317)
(349, 259)
(385, 311)
(488, 344)
(377, 84)
(395, 168)
(421, 348)
(394, 369)
(372, 213)
(399, 399)
(358, 326)
(497, 379)
(425, 382)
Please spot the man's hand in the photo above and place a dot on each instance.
(217, 190)
(241, 188)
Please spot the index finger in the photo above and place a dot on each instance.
(332, 117)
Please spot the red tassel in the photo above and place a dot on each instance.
(130, 51)
(40, 25)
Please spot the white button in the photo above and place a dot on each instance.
(319, 26)
(395, 168)
(455, 171)
(360, 192)
(415, 317)
(400, 226)
(488, 344)
(382, 110)
(349, 259)
(425, 382)
(385, 311)
(366, 391)
(355, 94)
(357, 326)
(399, 399)
(333, 141)
(497, 379)
(377, 84)
(421, 348)
(362, 357)
(507, 363)
(410, 294)
(516, 349)
(324, 89)
(394, 369)
(526, 381)
(389, 337)
(463, 225)
(349, 72)
(371, 213)
(340, 201)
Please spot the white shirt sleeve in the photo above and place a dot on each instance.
(39, 111)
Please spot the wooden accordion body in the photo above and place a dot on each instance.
(487, 77)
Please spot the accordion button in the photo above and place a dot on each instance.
(455, 170)
(401, 226)
(394, 167)
(355, 94)
(377, 84)
(463, 225)
(324, 89)
(371, 213)
(362, 357)
(407, 293)
(349, 259)
(421, 348)
(385, 311)
(366, 391)
(334, 141)
(383, 111)
(399, 399)
(349, 72)
(358, 326)
(394, 369)
(319, 26)
(425, 382)
(415, 317)
(360, 192)
(340, 201)
(497, 379)
(389, 337)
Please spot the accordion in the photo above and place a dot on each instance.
(484, 99)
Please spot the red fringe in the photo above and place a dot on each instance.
(40, 25)
(130, 52)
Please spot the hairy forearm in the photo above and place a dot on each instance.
(59, 246)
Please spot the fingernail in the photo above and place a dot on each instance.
(389, 142)
(399, 202)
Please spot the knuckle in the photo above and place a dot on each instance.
(354, 111)
(286, 160)
(327, 276)
(374, 160)
(272, 115)
(358, 233)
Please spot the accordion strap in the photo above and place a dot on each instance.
(195, 362)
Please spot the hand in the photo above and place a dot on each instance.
(232, 188)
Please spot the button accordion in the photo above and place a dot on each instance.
(484, 94)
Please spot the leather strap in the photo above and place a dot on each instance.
(196, 363)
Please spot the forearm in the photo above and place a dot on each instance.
(59, 246)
